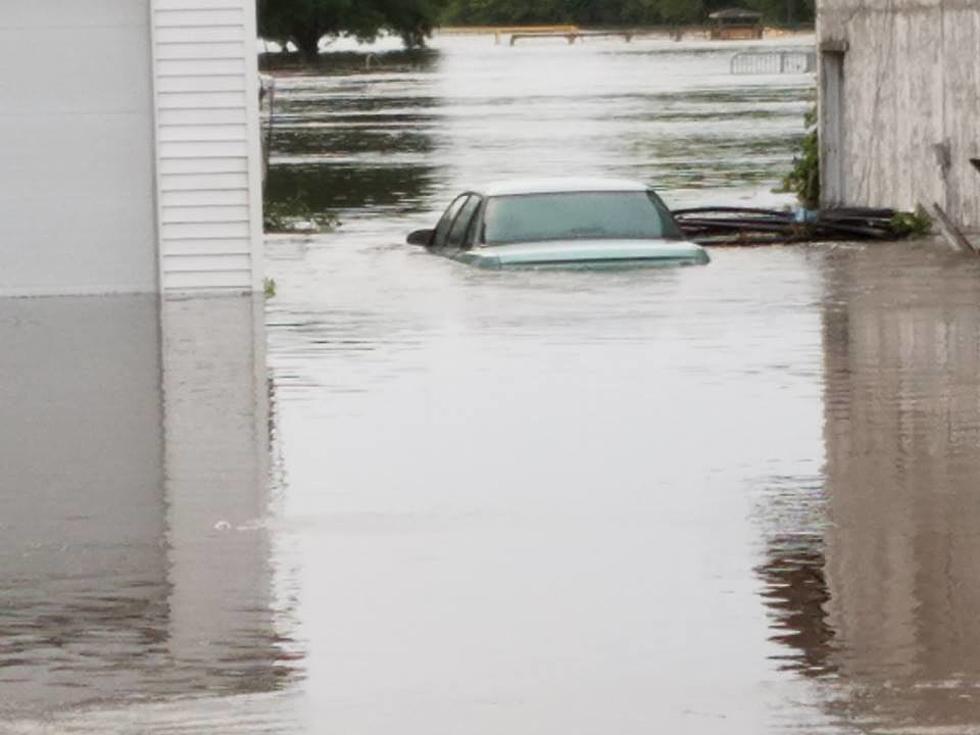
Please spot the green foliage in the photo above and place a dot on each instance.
(804, 179)
(305, 22)
(912, 224)
(295, 215)
(269, 288)
(616, 12)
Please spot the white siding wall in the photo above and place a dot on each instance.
(208, 144)
(76, 148)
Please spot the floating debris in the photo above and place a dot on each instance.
(749, 226)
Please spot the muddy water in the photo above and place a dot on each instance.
(429, 499)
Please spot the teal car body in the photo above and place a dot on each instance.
(587, 254)
(561, 223)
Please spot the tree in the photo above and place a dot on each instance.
(616, 12)
(305, 22)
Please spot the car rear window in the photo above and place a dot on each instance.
(577, 216)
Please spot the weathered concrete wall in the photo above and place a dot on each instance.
(908, 107)
(77, 203)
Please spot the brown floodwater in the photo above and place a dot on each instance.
(407, 496)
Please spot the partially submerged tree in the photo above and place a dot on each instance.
(305, 22)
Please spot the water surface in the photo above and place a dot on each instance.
(738, 498)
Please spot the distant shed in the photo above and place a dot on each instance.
(736, 24)
(900, 104)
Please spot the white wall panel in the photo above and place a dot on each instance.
(209, 246)
(77, 214)
(193, 17)
(183, 231)
(132, 133)
(202, 34)
(208, 157)
(205, 182)
(198, 132)
(173, 167)
(205, 116)
(198, 67)
(73, 14)
(199, 101)
(207, 198)
(199, 83)
(209, 281)
(197, 51)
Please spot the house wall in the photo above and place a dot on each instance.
(130, 146)
(209, 153)
(908, 107)
(76, 147)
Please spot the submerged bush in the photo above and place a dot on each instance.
(296, 215)
(912, 224)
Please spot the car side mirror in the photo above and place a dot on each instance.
(421, 237)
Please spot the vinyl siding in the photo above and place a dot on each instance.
(208, 150)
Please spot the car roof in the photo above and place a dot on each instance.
(563, 185)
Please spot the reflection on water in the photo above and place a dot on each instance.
(902, 345)
(871, 576)
(134, 503)
(84, 580)
(793, 572)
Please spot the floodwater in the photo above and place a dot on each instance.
(412, 497)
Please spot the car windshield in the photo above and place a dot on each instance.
(616, 215)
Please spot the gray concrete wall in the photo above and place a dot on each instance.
(77, 210)
(909, 104)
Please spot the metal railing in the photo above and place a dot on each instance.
(774, 62)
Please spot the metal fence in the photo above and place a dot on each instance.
(774, 62)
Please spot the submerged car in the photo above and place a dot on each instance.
(560, 222)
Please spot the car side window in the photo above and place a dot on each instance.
(457, 235)
(473, 231)
(442, 229)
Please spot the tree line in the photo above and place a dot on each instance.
(617, 12)
(305, 22)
